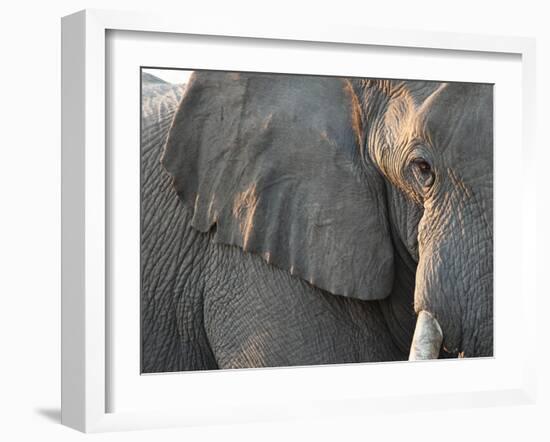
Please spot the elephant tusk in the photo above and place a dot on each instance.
(427, 338)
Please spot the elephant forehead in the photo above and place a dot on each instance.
(457, 119)
(458, 122)
(405, 116)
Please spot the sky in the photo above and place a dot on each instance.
(175, 76)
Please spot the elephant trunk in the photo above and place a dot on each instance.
(427, 338)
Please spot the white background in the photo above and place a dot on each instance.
(29, 221)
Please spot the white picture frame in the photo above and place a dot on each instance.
(85, 235)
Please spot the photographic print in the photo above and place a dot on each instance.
(299, 220)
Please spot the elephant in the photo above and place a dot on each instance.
(293, 220)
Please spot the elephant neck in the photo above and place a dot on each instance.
(398, 307)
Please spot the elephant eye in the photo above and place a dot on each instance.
(424, 172)
(423, 165)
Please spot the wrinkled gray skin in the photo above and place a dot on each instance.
(294, 220)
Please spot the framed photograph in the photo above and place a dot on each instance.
(276, 223)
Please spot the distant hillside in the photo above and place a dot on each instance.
(151, 79)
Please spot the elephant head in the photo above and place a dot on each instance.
(336, 179)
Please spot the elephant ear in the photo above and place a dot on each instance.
(274, 162)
